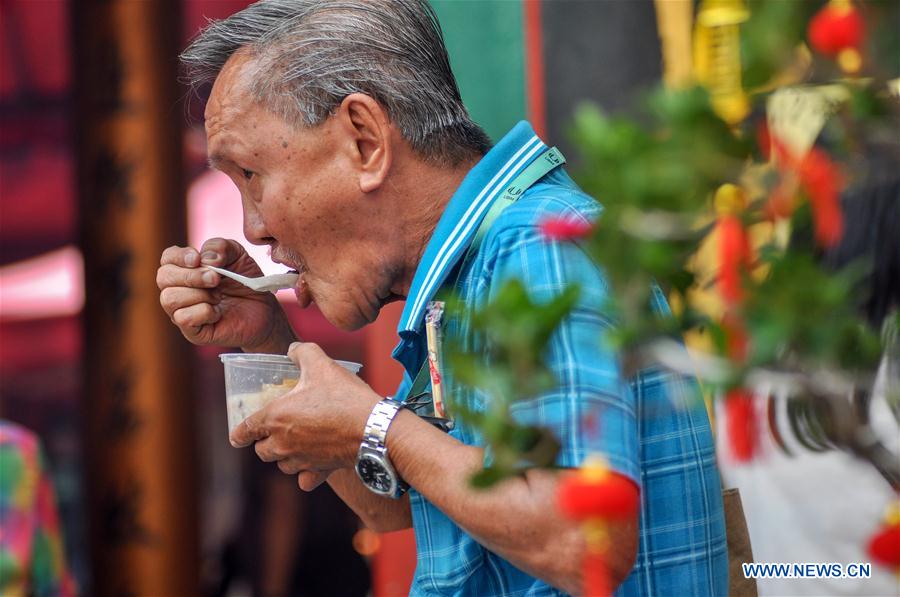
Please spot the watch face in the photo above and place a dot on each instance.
(375, 475)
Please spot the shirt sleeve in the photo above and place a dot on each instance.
(592, 409)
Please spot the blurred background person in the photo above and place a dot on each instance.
(32, 559)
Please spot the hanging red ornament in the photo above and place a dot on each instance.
(565, 229)
(740, 420)
(780, 203)
(821, 180)
(596, 579)
(884, 544)
(734, 258)
(736, 340)
(837, 26)
(884, 547)
(593, 496)
(612, 496)
(735, 261)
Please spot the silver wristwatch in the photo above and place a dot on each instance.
(372, 463)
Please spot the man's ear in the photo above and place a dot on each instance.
(370, 132)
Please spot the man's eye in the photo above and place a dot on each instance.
(248, 174)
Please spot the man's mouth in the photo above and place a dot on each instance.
(293, 263)
(294, 267)
(301, 288)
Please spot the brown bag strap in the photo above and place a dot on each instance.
(739, 549)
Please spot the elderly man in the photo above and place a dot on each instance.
(342, 126)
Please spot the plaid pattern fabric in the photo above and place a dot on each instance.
(652, 428)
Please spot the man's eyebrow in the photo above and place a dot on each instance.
(215, 161)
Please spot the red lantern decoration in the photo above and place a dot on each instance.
(821, 180)
(612, 496)
(781, 200)
(740, 420)
(593, 496)
(596, 581)
(884, 545)
(837, 26)
(734, 257)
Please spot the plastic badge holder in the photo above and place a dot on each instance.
(254, 380)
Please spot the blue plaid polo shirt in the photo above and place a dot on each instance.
(651, 428)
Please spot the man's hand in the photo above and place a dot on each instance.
(315, 430)
(316, 427)
(211, 309)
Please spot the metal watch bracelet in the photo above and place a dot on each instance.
(377, 424)
(373, 466)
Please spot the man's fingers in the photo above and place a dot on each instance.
(220, 252)
(309, 480)
(251, 430)
(291, 465)
(267, 452)
(176, 297)
(180, 256)
(197, 316)
(171, 275)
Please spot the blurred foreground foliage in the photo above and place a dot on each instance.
(657, 173)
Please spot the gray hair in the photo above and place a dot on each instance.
(311, 54)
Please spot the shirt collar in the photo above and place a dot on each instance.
(464, 213)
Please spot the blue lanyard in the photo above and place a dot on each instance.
(543, 165)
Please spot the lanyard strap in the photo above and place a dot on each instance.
(543, 165)
(540, 167)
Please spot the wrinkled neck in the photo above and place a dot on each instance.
(430, 191)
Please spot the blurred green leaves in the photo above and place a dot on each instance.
(770, 38)
(515, 332)
(799, 314)
(655, 173)
(672, 163)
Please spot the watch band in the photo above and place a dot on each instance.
(378, 422)
(373, 452)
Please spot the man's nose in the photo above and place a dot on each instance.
(254, 228)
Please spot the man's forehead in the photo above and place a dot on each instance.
(231, 89)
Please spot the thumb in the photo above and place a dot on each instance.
(293, 353)
(304, 353)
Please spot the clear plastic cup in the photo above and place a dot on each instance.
(253, 380)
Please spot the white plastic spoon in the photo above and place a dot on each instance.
(261, 284)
